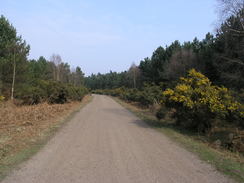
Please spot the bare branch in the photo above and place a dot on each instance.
(237, 61)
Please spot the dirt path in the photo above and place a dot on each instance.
(104, 143)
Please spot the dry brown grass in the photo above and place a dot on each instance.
(22, 125)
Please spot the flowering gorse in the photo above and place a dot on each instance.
(198, 102)
(2, 98)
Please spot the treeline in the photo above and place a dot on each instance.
(34, 81)
(219, 56)
(210, 95)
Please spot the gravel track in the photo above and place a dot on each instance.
(105, 143)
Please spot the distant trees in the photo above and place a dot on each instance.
(220, 57)
(34, 81)
(108, 80)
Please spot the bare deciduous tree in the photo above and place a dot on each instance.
(57, 60)
(134, 74)
(228, 8)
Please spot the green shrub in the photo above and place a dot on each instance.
(57, 93)
(150, 94)
(49, 91)
(146, 96)
(76, 93)
(130, 95)
(30, 95)
(199, 103)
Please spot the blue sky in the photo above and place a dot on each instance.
(104, 35)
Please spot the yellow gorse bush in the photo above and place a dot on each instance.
(195, 95)
(2, 98)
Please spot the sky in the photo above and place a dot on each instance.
(104, 35)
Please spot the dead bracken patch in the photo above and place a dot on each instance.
(22, 125)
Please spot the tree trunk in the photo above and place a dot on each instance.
(13, 82)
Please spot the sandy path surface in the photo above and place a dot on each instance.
(104, 143)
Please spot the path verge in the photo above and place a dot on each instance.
(231, 164)
(31, 129)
